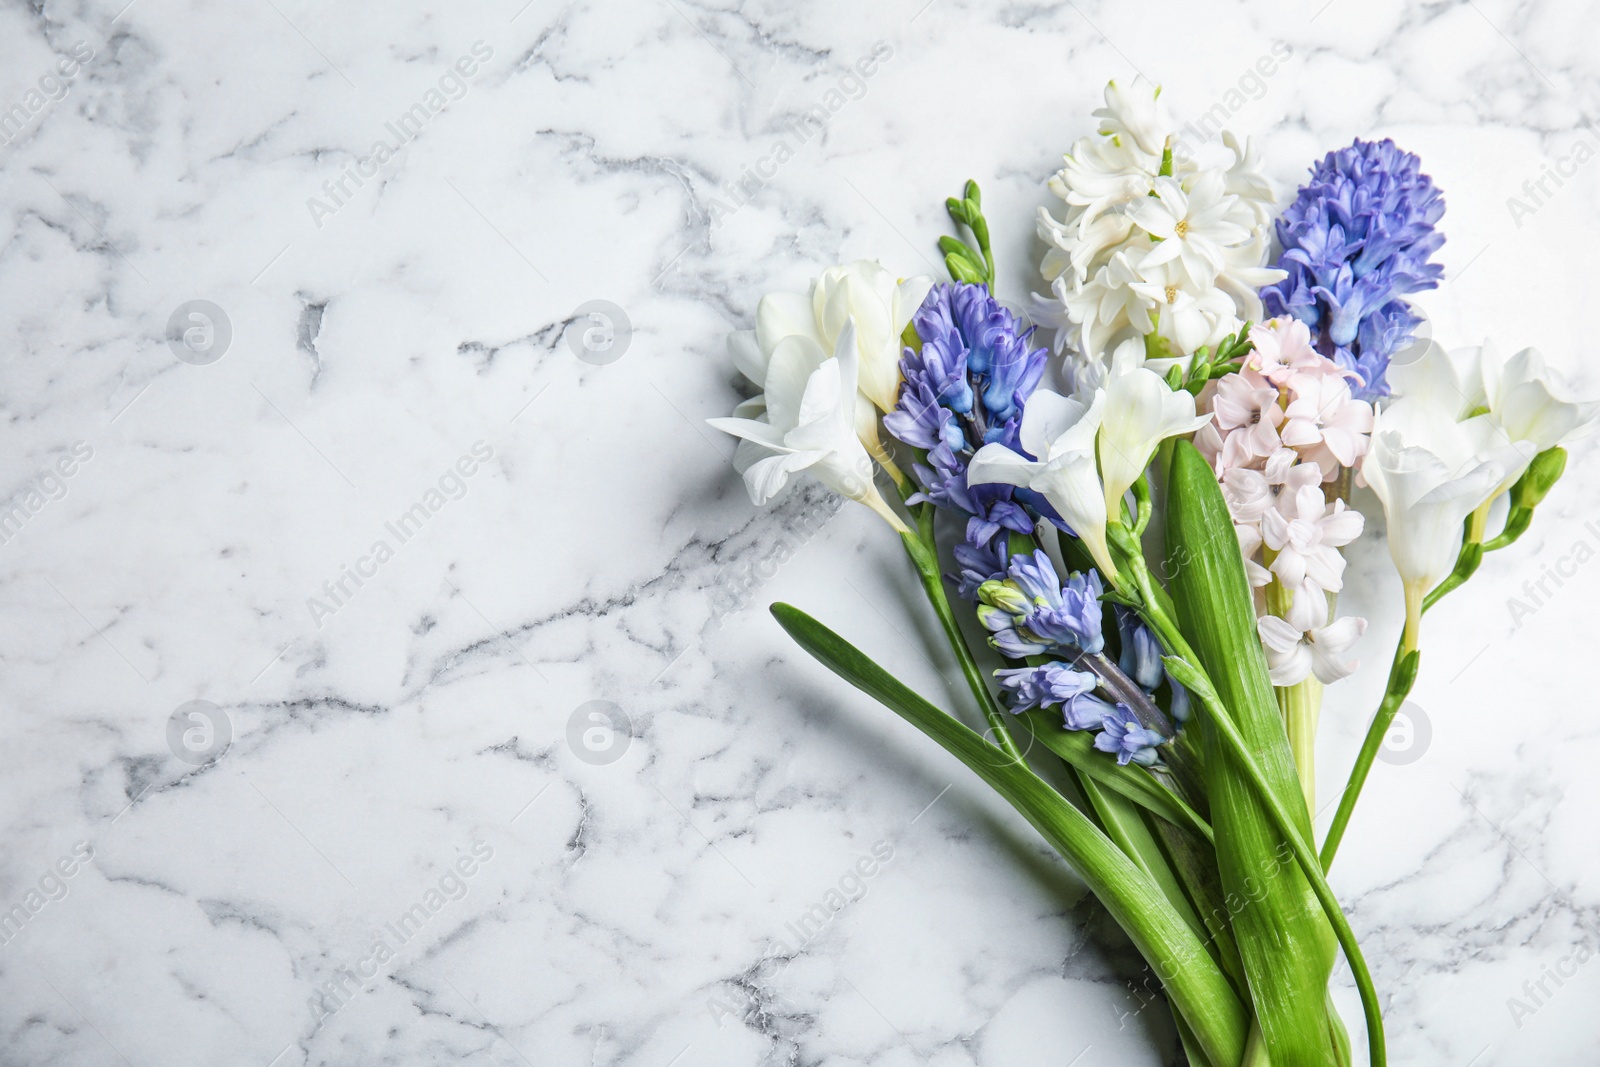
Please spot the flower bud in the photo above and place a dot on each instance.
(1541, 475)
(1005, 596)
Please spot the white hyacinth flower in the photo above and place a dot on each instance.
(1185, 263)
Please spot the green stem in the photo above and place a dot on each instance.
(1301, 704)
(1525, 496)
(1301, 707)
(1402, 674)
(927, 563)
(1141, 496)
(1516, 525)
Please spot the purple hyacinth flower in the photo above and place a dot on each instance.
(1066, 613)
(979, 561)
(1124, 736)
(1141, 652)
(1033, 613)
(1356, 241)
(1055, 684)
(965, 387)
(1025, 688)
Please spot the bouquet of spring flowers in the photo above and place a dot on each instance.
(1147, 523)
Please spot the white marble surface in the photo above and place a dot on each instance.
(625, 910)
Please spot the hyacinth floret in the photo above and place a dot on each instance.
(1356, 241)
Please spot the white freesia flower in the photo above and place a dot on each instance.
(861, 292)
(1301, 644)
(1140, 413)
(1528, 400)
(1521, 394)
(1061, 432)
(1431, 472)
(808, 423)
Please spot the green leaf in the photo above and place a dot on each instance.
(1076, 747)
(1284, 938)
(1200, 688)
(1195, 985)
(1191, 1047)
(1131, 828)
(1195, 863)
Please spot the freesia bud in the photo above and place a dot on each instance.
(1541, 476)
